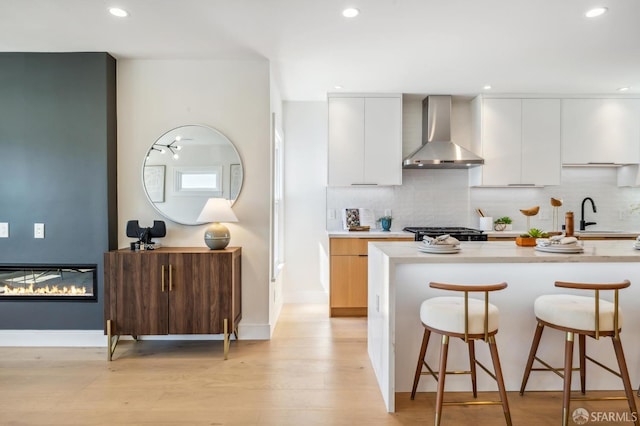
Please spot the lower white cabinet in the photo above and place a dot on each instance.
(365, 139)
(519, 140)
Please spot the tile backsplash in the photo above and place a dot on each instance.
(444, 198)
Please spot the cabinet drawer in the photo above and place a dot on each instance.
(356, 246)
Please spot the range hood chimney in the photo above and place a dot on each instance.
(437, 150)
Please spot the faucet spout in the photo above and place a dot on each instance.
(584, 224)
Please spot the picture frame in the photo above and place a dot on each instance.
(235, 180)
(154, 182)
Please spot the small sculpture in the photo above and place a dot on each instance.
(530, 212)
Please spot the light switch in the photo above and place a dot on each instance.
(4, 230)
(38, 230)
(331, 214)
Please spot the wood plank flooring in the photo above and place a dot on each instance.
(315, 371)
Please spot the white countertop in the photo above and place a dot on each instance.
(509, 252)
(376, 233)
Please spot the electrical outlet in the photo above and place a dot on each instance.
(4, 230)
(331, 214)
(38, 230)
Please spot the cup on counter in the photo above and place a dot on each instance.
(486, 223)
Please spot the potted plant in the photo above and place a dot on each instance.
(503, 223)
(529, 239)
(385, 222)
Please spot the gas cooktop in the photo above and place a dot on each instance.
(461, 233)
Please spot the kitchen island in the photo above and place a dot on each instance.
(399, 277)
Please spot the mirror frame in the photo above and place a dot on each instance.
(218, 134)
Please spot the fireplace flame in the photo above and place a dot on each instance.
(53, 290)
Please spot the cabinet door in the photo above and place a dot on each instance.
(541, 163)
(346, 141)
(501, 141)
(600, 131)
(383, 141)
(348, 281)
(201, 293)
(620, 121)
(141, 300)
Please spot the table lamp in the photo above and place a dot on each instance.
(217, 210)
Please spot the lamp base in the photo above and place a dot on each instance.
(217, 236)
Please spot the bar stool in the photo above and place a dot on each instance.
(468, 319)
(584, 316)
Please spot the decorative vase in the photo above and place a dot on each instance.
(526, 241)
(386, 224)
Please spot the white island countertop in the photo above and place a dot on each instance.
(398, 282)
(509, 252)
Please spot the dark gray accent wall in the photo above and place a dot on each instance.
(57, 167)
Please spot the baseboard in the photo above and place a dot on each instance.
(97, 338)
(254, 331)
(61, 338)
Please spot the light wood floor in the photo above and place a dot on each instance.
(315, 371)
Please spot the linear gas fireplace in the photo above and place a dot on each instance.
(48, 282)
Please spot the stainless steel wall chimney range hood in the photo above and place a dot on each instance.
(437, 150)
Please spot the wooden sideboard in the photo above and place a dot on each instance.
(172, 290)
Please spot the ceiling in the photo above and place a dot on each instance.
(409, 46)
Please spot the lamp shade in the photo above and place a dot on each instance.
(217, 210)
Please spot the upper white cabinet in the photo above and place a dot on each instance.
(519, 140)
(600, 131)
(365, 139)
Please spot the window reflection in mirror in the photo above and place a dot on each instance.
(188, 165)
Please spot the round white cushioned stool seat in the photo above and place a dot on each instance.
(447, 314)
(576, 312)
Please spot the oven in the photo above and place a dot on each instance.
(462, 234)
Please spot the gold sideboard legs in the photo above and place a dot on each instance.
(111, 344)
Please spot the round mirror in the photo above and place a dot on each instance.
(188, 165)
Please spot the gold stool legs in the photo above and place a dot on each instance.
(568, 368)
(440, 375)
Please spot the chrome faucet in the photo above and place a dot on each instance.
(584, 224)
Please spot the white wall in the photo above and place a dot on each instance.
(231, 96)
(306, 242)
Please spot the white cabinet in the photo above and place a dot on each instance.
(365, 140)
(519, 140)
(600, 131)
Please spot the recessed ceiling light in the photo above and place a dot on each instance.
(487, 87)
(596, 11)
(337, 86)
(350, 12)
(623, 89)
(120, 13)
